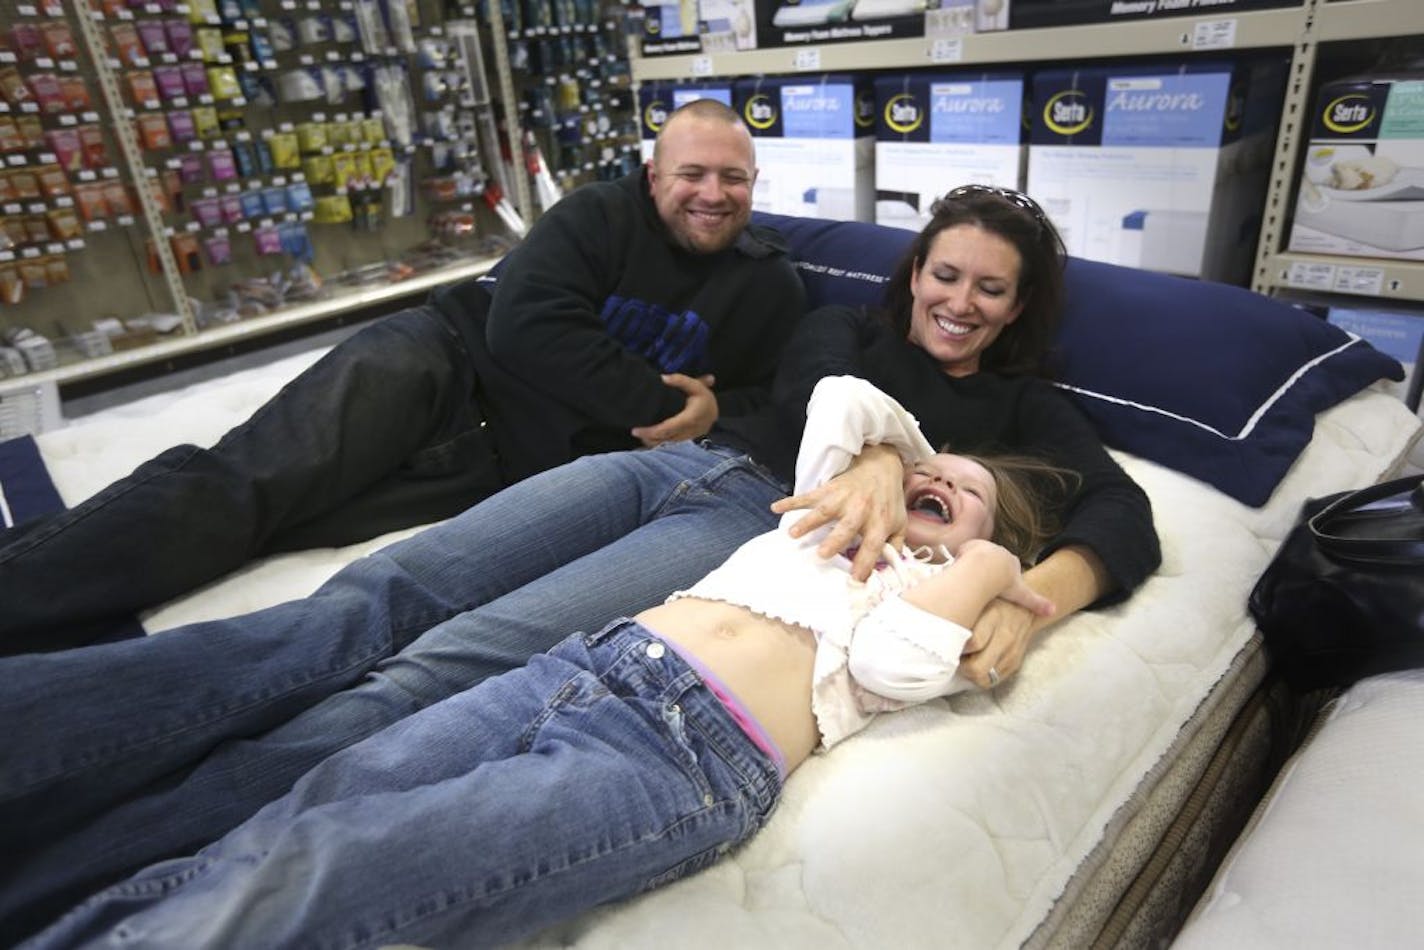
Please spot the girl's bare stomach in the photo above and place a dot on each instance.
(766, 663)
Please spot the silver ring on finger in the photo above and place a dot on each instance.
(993, 677)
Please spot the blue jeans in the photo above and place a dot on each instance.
(599, 770)
(122, 754)
(379, 434)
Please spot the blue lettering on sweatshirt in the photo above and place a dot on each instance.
(673, 342)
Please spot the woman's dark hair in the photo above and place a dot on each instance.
(1023, 346)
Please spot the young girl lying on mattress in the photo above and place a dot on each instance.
(623, 759)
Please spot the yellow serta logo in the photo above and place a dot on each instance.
(1349, 113)
(759, 112)
(1068, 113)
(902, 114)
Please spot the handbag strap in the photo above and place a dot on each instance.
(1390, 550)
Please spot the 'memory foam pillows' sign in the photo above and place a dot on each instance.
(1215, 381)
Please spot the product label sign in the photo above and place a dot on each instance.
(818, 111)
(1176, 111)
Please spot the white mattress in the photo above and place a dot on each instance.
(956, 824)
(1333, 856)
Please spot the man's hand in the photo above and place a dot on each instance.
(867, 501)
(695, 419)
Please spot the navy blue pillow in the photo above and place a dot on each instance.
(1215, 381)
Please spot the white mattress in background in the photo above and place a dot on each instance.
(1335, 855)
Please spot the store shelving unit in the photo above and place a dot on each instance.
(125, 267)
(1303, 29)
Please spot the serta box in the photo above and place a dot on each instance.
(1035, 13)
(1362, 188)
(807, 22)
(936, 131)
(1397, 332)
(727, 25)
(1160, 167)
(670, 28)
(815, 144)
(658, 100)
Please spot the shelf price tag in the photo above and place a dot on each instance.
(1213, 34)
(1368, 281)
(947, 50)
(702, 66)
(807, 58)
(1310, 275)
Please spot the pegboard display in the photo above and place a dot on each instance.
(71, 240)
(174, 166)
(577, 109)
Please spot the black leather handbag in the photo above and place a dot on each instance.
(1344, 596)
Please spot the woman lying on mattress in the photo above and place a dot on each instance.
(123, 754)
(620, 760)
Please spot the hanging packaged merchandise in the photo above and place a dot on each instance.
(400, 196)
(332, 209)
(180, 126)
(296, 242)
(299, 85)
(218, 247)
(267, 239)
(286, 152)
(154, 37)
(274, 200)
(399, 18)
(206, 212)
(393, 98)
(299, 197)
(180, 37)
(333, 84)
(343, 29)
(313, 30)
(252, 204)
(282, 35)
(371, 27)
(231, 207)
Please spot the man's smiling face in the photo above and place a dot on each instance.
(701, 180)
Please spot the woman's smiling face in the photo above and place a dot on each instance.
(949, 499)
(965, 293)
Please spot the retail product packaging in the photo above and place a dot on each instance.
(815, 144)
(1396, 331)
(1162, 167)
(658, 100)
(1362, 188)
(698, 26)
(813, 22)
(939, 130)
(1036, 13)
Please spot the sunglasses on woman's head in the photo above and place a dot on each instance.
(1016, 198)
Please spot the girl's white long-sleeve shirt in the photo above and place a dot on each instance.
(874, 651)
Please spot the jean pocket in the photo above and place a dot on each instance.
(690, 866)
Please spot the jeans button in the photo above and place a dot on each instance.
(656, 650)
(675, 709)
(708, 800)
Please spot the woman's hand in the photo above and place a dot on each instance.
(1001, 638)
(866, 501)
(1072, 577)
